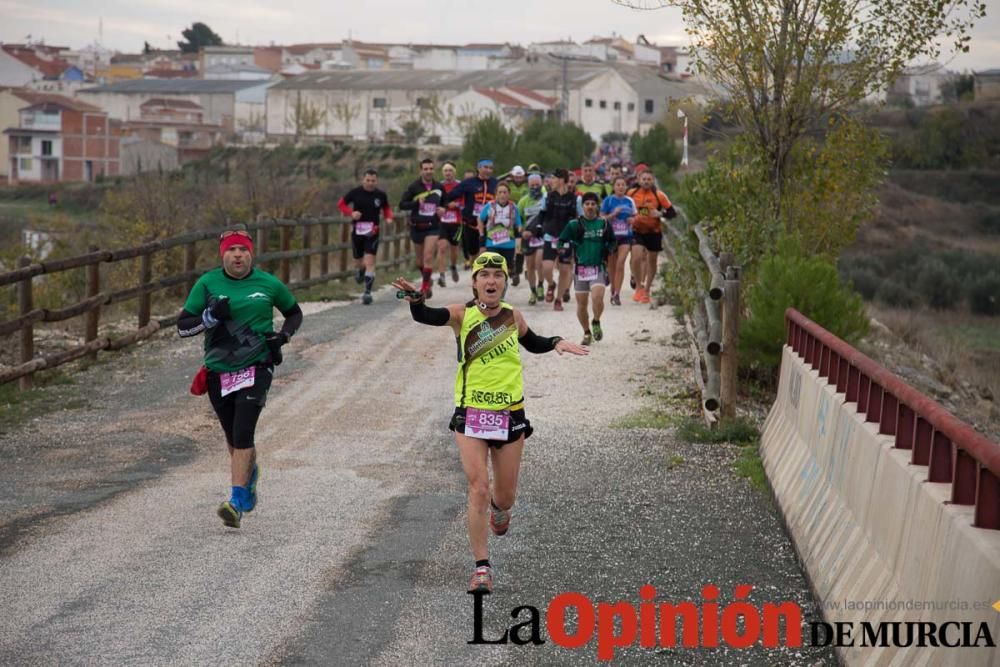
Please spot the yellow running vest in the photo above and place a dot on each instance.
(489, 372)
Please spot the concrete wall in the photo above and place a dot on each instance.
(869, 527)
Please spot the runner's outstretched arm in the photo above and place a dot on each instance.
(536, 344)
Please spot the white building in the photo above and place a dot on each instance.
(361, 105)
(920, 86)
(231, 104)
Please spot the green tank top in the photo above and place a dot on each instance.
(489, 371)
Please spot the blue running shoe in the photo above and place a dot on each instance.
(229, 514)
(252, 488)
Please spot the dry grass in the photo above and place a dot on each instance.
(958, 350)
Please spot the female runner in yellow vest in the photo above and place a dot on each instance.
(489, 419)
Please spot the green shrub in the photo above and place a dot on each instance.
(864, 281)
(989, 222)
(984, 294)
(810, 285)
(940, 284)
(893, 294)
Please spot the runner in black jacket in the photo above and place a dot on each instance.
(560, 208)
(422, 199)
(478, 191)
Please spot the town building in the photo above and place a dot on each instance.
(61, 139)
(233, 104)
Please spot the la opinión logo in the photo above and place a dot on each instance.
(615, 625)
(708, 624)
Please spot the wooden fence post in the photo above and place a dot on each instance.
(306, 245)
(730, 340)
(26, 304)
(190, 262)
(345, 237)
(324, 257)
(286, 244)
(145, 277)
(260, 247)
(93, 316)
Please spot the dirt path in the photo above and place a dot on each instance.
(111, 552)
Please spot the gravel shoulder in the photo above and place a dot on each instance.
(110, 552)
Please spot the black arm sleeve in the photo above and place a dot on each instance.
(436, 317)
(406, 203)
(536, 344)
(189, 324)
(293, 320)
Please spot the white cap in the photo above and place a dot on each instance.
(517, 171)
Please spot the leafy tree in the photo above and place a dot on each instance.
(553, 144)
(198, 36)
(488, 137)
(789, 64)
(655, 147)
(412, 131)
(304, 117)
(789, 278)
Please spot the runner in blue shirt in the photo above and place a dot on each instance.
(500, 225)
(619, 210)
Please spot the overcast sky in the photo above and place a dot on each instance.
(128, 23)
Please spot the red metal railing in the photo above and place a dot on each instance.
(951, 449)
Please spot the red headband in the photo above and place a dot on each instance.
(235, 239)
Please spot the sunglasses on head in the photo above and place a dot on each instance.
(239, 232)
(490, 262)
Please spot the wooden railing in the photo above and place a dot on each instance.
(394, 250)
(714, 321)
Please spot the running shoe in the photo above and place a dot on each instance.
(631, 282)
(427, 291)
(550, 293)
(360, 278)
(616, 300)
(515, 279)
(454, 275)
(637, 295)
(587, 339)
(366, 298)
(441, 281)
(645, 296)
(468, 264)
(482, 580)
(540, 292)
(229, 514)
(557, 305)
(532, 298)
(596, 328)
(499, 520)
(252, 488)
(566, 296)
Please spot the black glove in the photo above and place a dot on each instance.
(274, 340)
(670, 213)
(219, 308)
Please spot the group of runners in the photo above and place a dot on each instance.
(554, 228)
(559, 230)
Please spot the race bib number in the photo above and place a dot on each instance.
(477, 209)
(428, 209)
(237, 380)
(499, 235)
(487, 424)
(620, 227)
(450, 215)
(364, 228)
(587, 272)
(536, 242)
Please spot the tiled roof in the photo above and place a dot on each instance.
(50, 69)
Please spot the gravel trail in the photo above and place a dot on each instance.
(110, 551)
